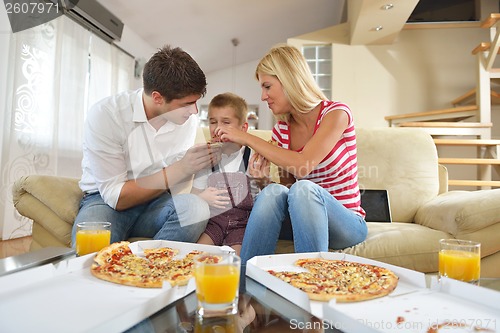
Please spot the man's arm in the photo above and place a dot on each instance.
(144, 189)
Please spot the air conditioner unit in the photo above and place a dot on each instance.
(95, 16)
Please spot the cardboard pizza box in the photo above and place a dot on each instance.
(450, 306)
(411, 307)
(257, 269)
(66, 297)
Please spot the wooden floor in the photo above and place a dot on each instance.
(13, 247)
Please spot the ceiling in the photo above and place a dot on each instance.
(205, 28)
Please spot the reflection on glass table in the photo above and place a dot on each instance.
(259, 310)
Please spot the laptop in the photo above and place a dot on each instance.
(376, 205)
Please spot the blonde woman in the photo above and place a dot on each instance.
(316, 154)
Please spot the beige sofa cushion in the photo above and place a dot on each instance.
(411, 180)
(453, 212)
(402, 244)
(61, 194)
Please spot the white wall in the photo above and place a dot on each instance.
(245, 85)
(423, 70)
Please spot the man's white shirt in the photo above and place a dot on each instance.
(120, 144)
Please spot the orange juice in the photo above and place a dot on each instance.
(217, 284)
(459, 265)
(89, 241)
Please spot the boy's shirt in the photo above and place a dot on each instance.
(228, 163)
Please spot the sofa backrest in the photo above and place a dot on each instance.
(402, 160)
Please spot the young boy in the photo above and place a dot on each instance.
(226, 188)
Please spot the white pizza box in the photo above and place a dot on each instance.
(66, 297)
(257, 269)
(449, 306)
(411, 307)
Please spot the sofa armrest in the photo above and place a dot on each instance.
(461, 212)
(61, 195)
(443, 179)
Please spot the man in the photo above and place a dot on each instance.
(138, 145)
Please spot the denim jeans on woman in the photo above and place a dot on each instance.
(181, 217)
(318, 220)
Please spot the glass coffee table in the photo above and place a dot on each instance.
(260, 310)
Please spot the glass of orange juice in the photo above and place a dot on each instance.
(217, 277)
(460, 260)
(92, 237)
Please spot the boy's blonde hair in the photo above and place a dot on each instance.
(234, 101)
(289, 66)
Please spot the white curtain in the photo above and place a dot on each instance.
(111, 70)
(56, 71)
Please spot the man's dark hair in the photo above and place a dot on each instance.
(174, 74)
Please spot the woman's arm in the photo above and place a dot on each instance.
(297, 164)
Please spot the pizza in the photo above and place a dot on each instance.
(118, 264)
(215, 144)
(345, 281)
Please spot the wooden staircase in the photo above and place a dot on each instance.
(469, 120)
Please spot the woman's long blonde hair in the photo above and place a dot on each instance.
(289, 66)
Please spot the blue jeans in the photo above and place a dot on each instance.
(181, 217)
(319, 222)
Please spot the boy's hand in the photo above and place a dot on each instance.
(216, 198)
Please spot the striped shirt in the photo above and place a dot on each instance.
(338, 171)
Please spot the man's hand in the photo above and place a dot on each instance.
(199, 157)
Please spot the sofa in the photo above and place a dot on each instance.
(403, 161)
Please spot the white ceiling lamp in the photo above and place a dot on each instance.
(387, 6)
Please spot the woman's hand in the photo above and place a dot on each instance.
(259, 166)
(231, 134)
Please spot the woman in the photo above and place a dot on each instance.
(316, 155)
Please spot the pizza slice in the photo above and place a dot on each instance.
(179, 271)
(113, 252)
(160, 256)
(130, 270)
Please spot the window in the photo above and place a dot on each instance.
(55, 71)
(319, 58)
